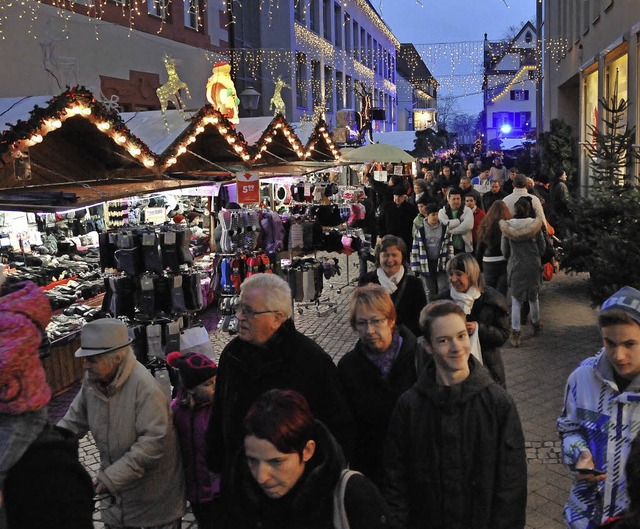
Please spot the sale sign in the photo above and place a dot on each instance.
(248, 188)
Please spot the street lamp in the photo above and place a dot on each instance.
(249, 98)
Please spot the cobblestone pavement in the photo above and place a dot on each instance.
(536, 374)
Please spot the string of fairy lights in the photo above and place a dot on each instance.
(375, 67)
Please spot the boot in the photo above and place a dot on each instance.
(537, 328)
(516, 339)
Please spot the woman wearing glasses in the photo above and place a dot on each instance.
(383, 365)
(405, 289)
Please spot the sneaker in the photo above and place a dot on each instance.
(516, 338)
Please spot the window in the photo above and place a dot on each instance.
(347, 33)
(158, 8)
(301, 80)
(519, 95)
(532, 75)
(313, 15)
(528, 37)
(522, 120)
(337, 25)
(192, 14)
(370, 52)
(326, 19)
(348, 87)
(363, 46)
(316, 82)
(300, 13)
(502, 118)
(339, 91)
(328, 88)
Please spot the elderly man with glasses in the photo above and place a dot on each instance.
(270, 353)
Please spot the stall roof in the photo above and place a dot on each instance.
(86, 194)
(13, 109)
(150, 128)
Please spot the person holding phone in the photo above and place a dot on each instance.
(601, 415)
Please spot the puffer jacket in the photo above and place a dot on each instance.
(455, 456)
(309, 504)
(522, 245)
(491, 313)
(191, 424)
(140, 462)
(24, 314)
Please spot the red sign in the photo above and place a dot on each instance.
(248, 188)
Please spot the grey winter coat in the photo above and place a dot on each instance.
(522, 245)
(139, 456)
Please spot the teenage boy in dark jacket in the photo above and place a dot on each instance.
(455, 457)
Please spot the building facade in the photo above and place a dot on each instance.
(510, 87)
(592, 49)
(417, 91)
(116, 51)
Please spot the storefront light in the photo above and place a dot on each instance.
(148, 162)
(120, 138)
(135, 151)
(55, 124)
(182, 149)
(36, 138)
(104, 125)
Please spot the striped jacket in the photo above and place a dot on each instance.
(598, 417)
(419, 259)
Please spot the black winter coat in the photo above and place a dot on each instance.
(309, 504)
(490, 197)
(399, 221)
(48, 486)
(410, 303)
(491, 312)
(289, 360)
(455, 456)
(373, 399)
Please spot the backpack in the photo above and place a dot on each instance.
(340, 520)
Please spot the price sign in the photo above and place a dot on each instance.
(155, 215)
(248, 188)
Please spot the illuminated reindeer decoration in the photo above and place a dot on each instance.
(277, 103)
(170, 91)
(364, 117)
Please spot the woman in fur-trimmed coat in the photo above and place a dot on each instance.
(522, 245)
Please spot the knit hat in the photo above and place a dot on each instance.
(178, 219)
(195, 368)
(626, 299)
(24, 313)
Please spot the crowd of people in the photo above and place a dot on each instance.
(413, 428)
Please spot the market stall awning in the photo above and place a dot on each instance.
(378, 152)
(72, 196)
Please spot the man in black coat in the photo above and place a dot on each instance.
(455, 456)
(495, 194)
(270, 353)
(399, 215)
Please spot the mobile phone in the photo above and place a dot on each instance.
(591, 471)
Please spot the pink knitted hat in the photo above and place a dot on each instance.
(24, 313)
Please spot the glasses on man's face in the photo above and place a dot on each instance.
(376, 323)
(249, 313)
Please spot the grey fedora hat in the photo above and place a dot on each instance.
(103, 336)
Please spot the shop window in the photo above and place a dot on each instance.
(519, 95)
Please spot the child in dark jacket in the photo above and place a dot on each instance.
(191, 410)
